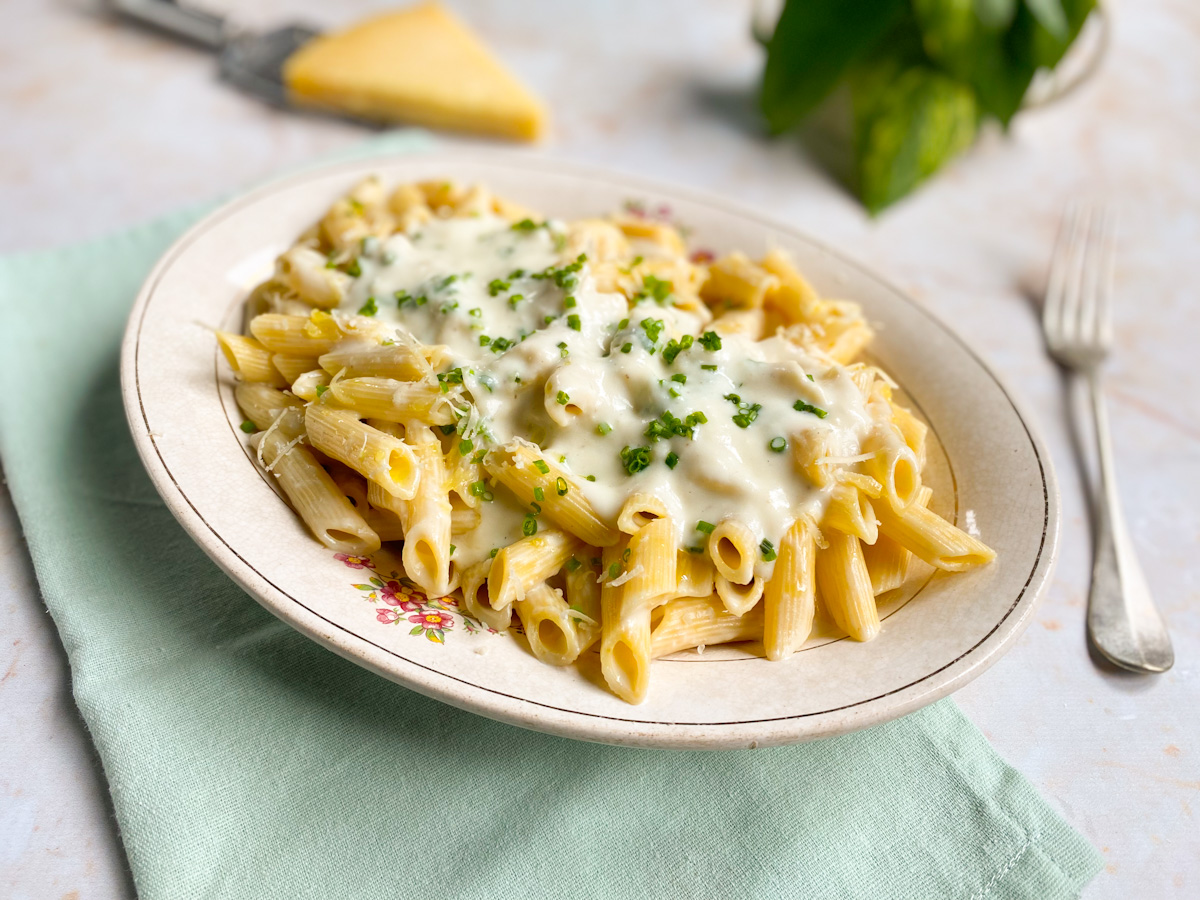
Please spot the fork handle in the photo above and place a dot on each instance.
(1123, 623)
(184, 22)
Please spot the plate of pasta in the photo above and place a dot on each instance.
(593, 456)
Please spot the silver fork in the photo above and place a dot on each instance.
(1123, 623)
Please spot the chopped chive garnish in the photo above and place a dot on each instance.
(452, 549)
(354, 268)
(590, 477)
(475, 312)
(681, 378)
(529, 526)
(495, 550)
(614, 570)
(653, 328)
(449, 307)
(560, 486)
(710, 340)
(497, 287)
(574, 322)
(515, 299)
(447, 430)
(635, 459)
(500, 344)
(539, 494)
(809, 377)
(562, 398)
(573, 564)
(484, 340)
(695, 549)
(603, 428)
(563, 350)
(321, 389)
(480, 489)
(801, 406)
(768, 550)
(669, 425)
(369, 308)
(623, 324)
(626, 347)
(248, 427)
(675, 347)
(465, 446)
(777, 444)
(709, 368)
(672, 460)
(706, 527)
(540, 465)
(526, 225)
(569, 302)
(747, 412)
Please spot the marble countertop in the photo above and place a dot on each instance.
(105, 125)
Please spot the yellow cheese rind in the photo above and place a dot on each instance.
(418, 65)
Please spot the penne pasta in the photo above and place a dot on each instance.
(531, 560)
(550, 625)
(789, 601)
(698, 622)
(426, 518)
(249, 359)
(624, 638)
(383, 459)
(845, 586)
(930, 537)
(427, 357)
(477, 601)
(392, 401)
(732, 549)
(295, 335)
(739, 599)
(519, 467)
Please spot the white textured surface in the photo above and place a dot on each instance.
(105, 126)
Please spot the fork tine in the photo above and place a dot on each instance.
(1090, 278)
(1061, 270)
(1108, 239)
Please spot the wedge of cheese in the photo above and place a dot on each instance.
(418, 65)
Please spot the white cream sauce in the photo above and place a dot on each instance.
(584, 374)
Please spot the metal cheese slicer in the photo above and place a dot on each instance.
(250, 60)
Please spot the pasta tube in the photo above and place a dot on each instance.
(530, 561)
(522, 468)
(845, 586)
(380, 457)
(789, 601)
(689, 622)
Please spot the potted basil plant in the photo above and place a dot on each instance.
(899, 87)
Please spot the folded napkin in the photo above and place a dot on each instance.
(246, 761)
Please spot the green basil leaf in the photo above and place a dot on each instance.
(814, 44)
(950, 32)
(995, 61)
(995, 15)
(907, 129)
(1046, 47)
(1051, 16)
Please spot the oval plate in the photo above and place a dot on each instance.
(990, 472)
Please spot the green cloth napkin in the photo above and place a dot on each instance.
(246, 761)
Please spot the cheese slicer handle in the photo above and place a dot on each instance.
(186, 23)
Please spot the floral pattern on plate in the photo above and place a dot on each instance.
(398, 600)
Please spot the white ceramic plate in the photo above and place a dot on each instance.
(991, 472)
